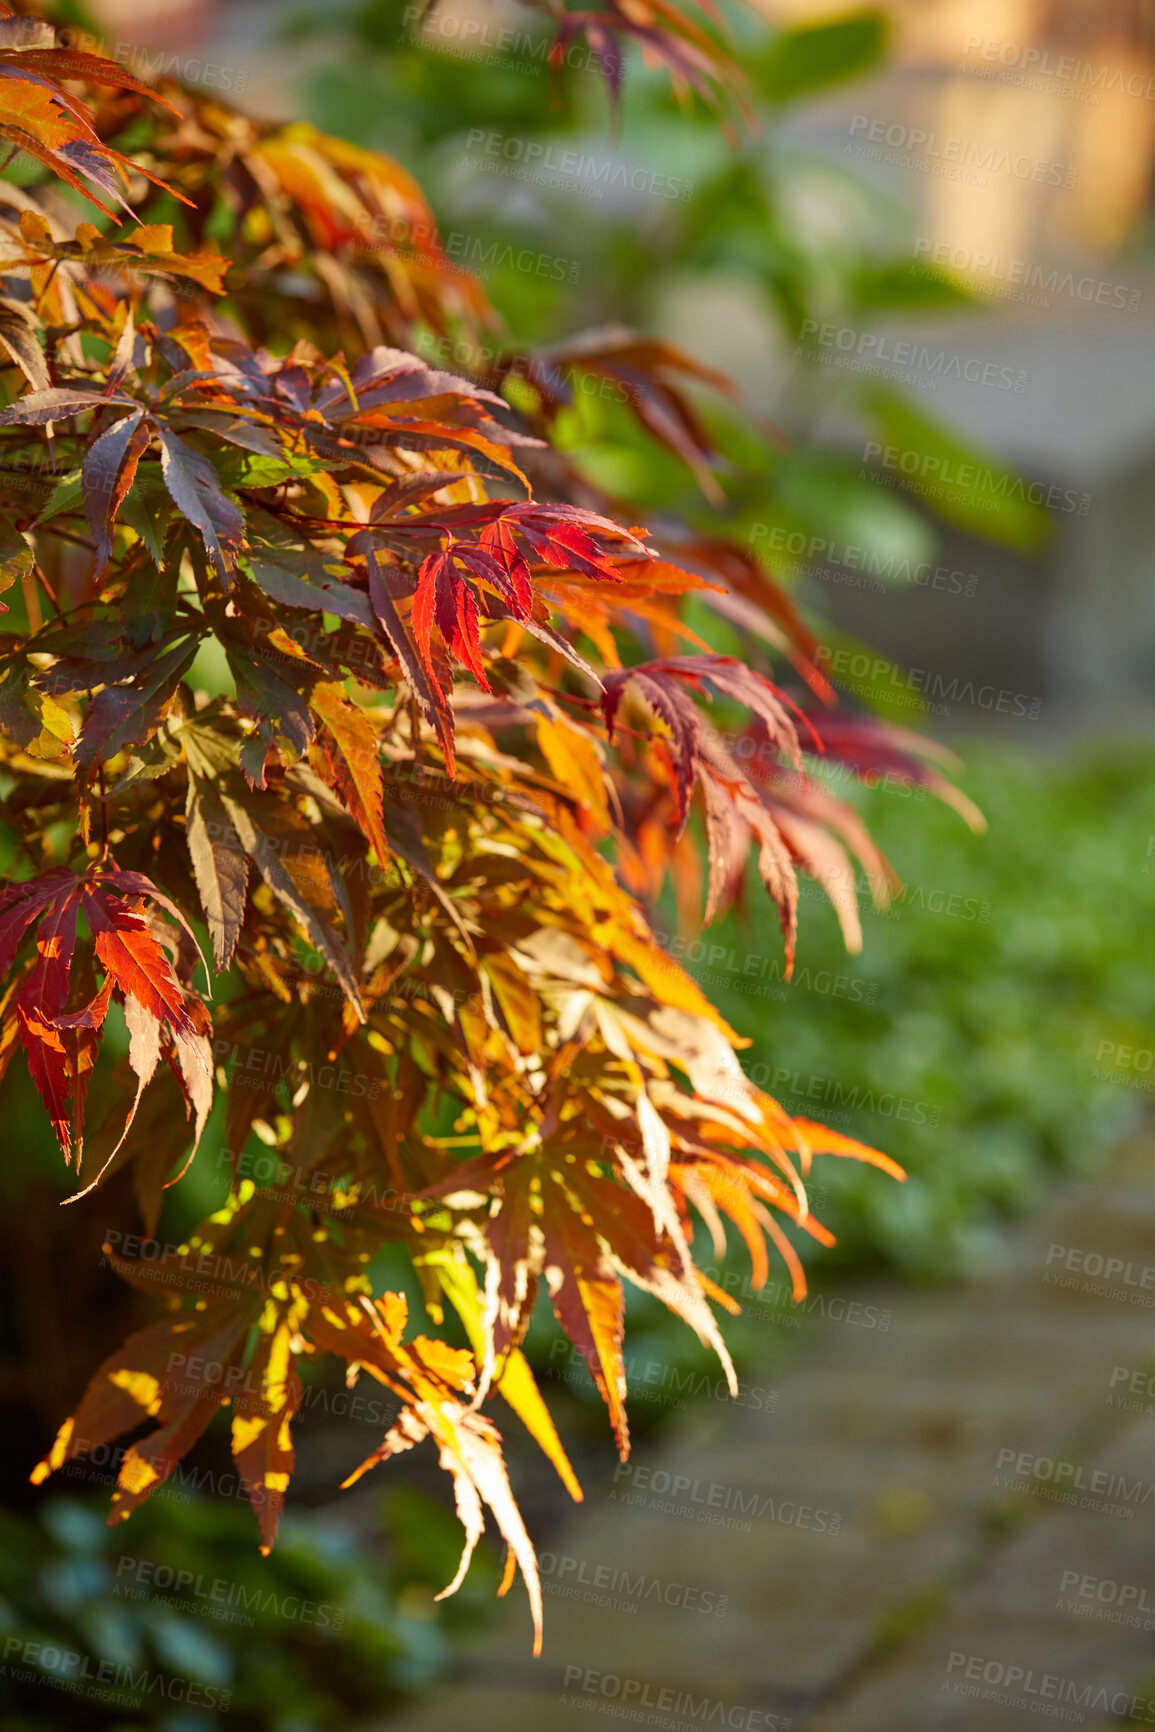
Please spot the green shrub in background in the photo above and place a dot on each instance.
(177, 1624)
(1008, 979)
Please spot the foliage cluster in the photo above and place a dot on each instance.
(328, 655)
(192, 1627)
(997, 1023)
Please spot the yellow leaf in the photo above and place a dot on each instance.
(516, 1382)
(574, 762)
(665, 978)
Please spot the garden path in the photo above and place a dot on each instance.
(945, 1519)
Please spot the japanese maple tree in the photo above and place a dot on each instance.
(350, 735)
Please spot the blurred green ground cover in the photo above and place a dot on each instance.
(175, 1622)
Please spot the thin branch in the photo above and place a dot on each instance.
(32, 603)
(103, 820)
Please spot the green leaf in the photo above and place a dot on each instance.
(121, 716)
(253, 469)
(872, 680)
(281, 714)
(65, 496)
(15, 559)
(326, 594)
(148, 511)
(909, 285)
(196, 492)
(34, 720)
(262, 848)
(963, 484)
(853, 521)
(156, 757)
(110, 464)
(817, 55)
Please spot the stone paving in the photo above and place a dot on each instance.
(947, 1523)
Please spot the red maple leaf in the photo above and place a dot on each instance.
(61, 1045)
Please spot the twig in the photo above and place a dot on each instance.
(103, 821)
(32, 603)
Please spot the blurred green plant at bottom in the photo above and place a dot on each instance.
(174, 1622)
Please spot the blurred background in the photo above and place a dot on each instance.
(925, 259)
